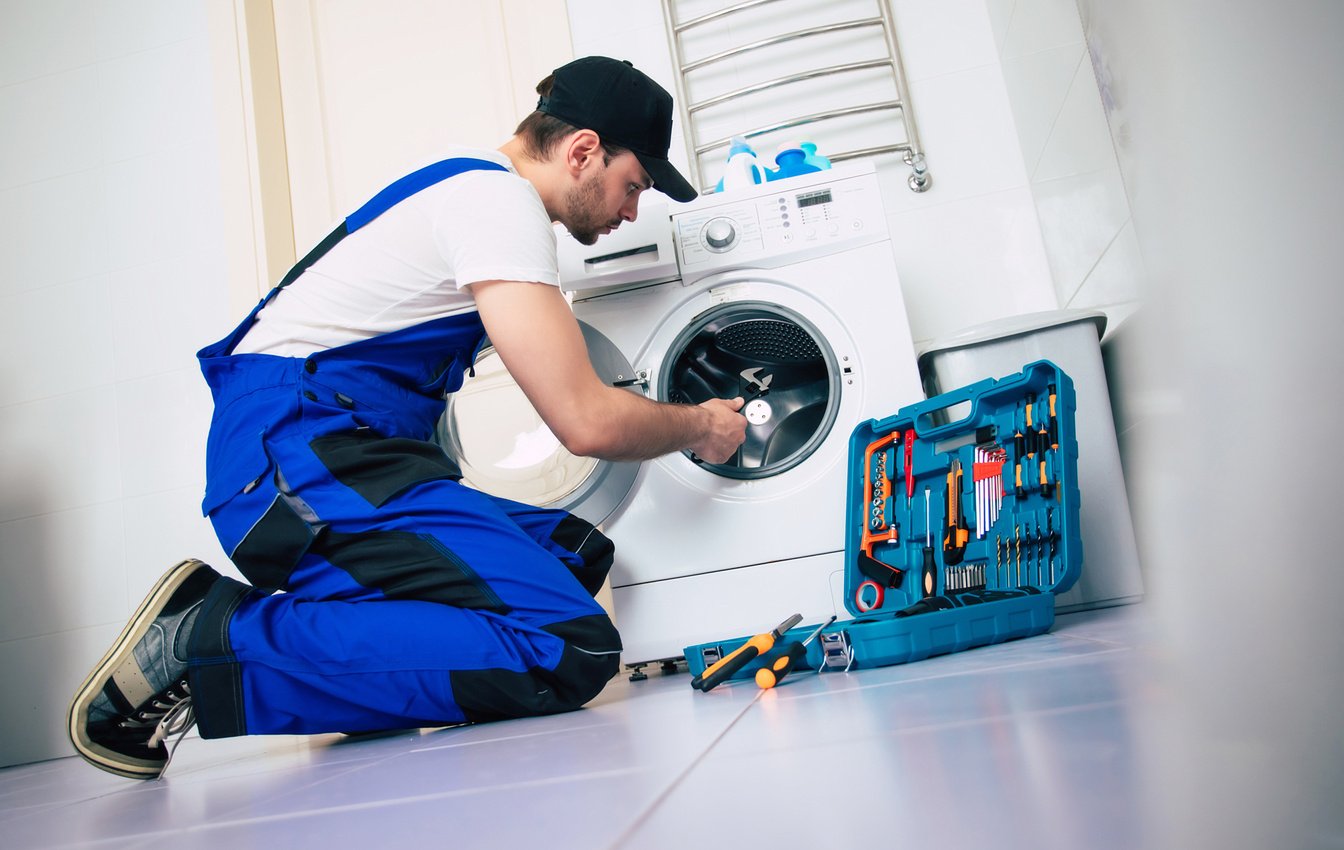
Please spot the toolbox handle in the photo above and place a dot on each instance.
(924, 422)
(1037, 372)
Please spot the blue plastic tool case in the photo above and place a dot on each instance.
(961, 526)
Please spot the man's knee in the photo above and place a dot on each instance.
(594, 549)
(592, 655)
(588, 660)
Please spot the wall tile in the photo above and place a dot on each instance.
(1038, 85)
(1118, 276)
(44, 673)
(164, 528)
(152, 100)
(62, 338)
(41, 37)
(1000, 18)
(51, 232)
(592, 24)
(46, 130)
(59, 453)
(162, 313)
(1080, 217)
(163, 421)
(943, 36)
(1080, 140)
(130, 26)
(970, 262)
(62, 571)
(148, 208)
(1042, 24)
(967, 130)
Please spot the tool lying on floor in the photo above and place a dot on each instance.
(736, 660)
(784, 658)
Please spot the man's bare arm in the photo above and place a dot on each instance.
(538, 339)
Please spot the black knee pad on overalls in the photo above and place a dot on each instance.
(595, 550)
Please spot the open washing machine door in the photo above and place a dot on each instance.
(774, 359)
(504, 448)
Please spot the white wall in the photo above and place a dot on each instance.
(111, 276)
(970, 249)
(1227, 120)
(1059, 111)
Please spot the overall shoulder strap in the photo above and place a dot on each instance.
(385, 200)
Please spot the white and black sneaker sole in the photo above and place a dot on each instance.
(120, 653)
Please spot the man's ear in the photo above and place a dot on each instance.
(582, 149)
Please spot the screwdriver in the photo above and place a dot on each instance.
(738, 658)
(780, 661)
(930, 568)
(909, 463)
(1054, 423)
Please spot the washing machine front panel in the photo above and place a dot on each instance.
(685, 518)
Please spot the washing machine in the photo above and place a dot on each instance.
(785, 294)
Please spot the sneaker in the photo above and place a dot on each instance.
(138, 695)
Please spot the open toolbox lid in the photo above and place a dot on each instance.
(976, 488)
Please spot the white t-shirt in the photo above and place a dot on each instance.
(409, 264)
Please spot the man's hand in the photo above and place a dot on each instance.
(727, 430)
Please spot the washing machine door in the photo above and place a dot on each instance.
(505, 449)
(777, 361)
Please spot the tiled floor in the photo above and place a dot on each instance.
(1033, 743)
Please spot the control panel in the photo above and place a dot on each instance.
(798, 216)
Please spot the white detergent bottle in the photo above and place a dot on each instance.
(741, 169)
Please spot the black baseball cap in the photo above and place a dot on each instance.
(623, 106)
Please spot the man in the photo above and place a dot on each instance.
(409, 599)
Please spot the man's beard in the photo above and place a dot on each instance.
(583, 203)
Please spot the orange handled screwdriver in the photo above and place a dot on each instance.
(738, 658)
(783, 659)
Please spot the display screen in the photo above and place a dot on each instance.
(811, 199)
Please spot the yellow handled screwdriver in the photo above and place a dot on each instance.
(738, 658)
(780, 661)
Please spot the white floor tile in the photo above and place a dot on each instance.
(1035, 743)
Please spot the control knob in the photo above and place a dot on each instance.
(720, 234)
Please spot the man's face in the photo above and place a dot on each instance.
(607, 196)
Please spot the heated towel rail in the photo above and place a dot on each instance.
(825, 126)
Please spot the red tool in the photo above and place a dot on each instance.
(876, 528)
(868, 596)
(930, 577)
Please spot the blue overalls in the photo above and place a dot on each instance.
(410, 599)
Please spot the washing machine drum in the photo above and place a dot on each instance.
(778, 362)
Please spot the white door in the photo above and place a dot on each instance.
(371, 91)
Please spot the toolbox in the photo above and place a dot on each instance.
(961, 527)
